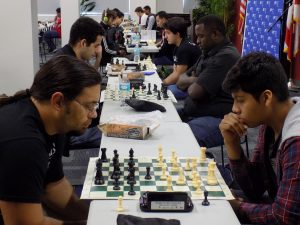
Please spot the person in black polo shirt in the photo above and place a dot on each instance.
(185, 53)
(207, 102)
(85, 41)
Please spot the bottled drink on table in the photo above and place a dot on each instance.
(137, 53)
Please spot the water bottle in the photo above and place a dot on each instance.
(137, 53)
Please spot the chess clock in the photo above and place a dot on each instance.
(166, 202)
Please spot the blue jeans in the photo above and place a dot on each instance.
(162, 60)
(48, 37)
(206, 131)
(179, 94)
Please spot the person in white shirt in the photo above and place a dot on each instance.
(151, 22)
(142, 16)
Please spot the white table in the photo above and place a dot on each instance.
(116, 108)
(172, 136)
(218, 212)
(145, 49)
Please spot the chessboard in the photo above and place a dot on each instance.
(116, 95)
(106, 190)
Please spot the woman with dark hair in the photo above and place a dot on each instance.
(63, 99)
(108, 19)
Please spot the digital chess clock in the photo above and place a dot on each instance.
(166, 202)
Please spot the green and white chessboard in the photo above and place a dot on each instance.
(141, 95)
(105, 191)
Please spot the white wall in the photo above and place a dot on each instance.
(189, 5)
(170, 6)
(48, 6)
(19, 58)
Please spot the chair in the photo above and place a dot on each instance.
(42, 49)
(245, 141)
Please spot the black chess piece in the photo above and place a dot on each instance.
(131, 152)
(144, 67)
(99, 177)
(99, 164)
(116, 183)
(112, 61)
(133, 94)
(158, 95)
(139, 67)
(117, 61)
(205, 201)
(165, 94)
(149, 89)
(148, 176)
(123, 62)
(103, 155)
(155, 88)
(131, 190)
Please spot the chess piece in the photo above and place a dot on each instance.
(144, 67)
(202, 154)
(148, 176)
(155, 88)
(122, 62)
(103, 155)
(117, 61)
(180, 180)
(205, 201)
(163, 175)
(187, 165)
(99, 177)
(149, 89)
(169, 184)
(175, 166)
(133, 94)
(173, 155)
(99, 164)
(158, 95)
(198, 188)
(160, 161)
(116, 183)
(120, 204)
(139, 67)
(131, 190)
(211, 177)
(160, 150)
(194, 163)
(141, 90)
(131, 152)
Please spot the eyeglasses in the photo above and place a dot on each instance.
(90, 107)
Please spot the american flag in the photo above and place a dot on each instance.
(243, 6)
(292, 34)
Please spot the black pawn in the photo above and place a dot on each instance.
(155, 88)
(144, 67)
(99, 164)
(115, 152)
(99, 177)
(148, 176)
(149, 89)
(103, 155)
(158, 95)
(131, 152)
(117, 62)
(133, 94)
(131, 190)
(205, 201)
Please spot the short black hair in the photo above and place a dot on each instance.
(85, 28)
(119, 13)
(212, 22)
(177, 24)
(162, 14)
(58, 10)
(147, 7)
(255, 73)
(139, 9)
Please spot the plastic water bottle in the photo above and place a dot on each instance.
(137, 53)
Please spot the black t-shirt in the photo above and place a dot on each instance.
(29, 158)
(186, 53)
(211, 69)
(66, 50)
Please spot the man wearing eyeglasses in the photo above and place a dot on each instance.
(62, 100)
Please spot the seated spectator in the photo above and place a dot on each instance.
(55, 32)
(150, 22)
(165, 54)
(185, 53)
(142, 16)
(207, 103)
(270, 181)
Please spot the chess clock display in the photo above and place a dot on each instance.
(166, 202)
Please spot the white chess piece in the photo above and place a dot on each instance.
(202, 154)
(169, 184)
(187, 165)
(198, 189)
(120, 204)
(180, 180)
(163, 175)
(211, 177)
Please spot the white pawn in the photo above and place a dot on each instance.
(169, 184)
(160, 161)
(194, 163)
(163, 175)
(187, 165)
(160, 150)
(180, 180)
(173, 155)
(175, 166)
(202, 154)
(198, 188)
(120, 204)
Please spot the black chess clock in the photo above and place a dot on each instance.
(166, 202)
